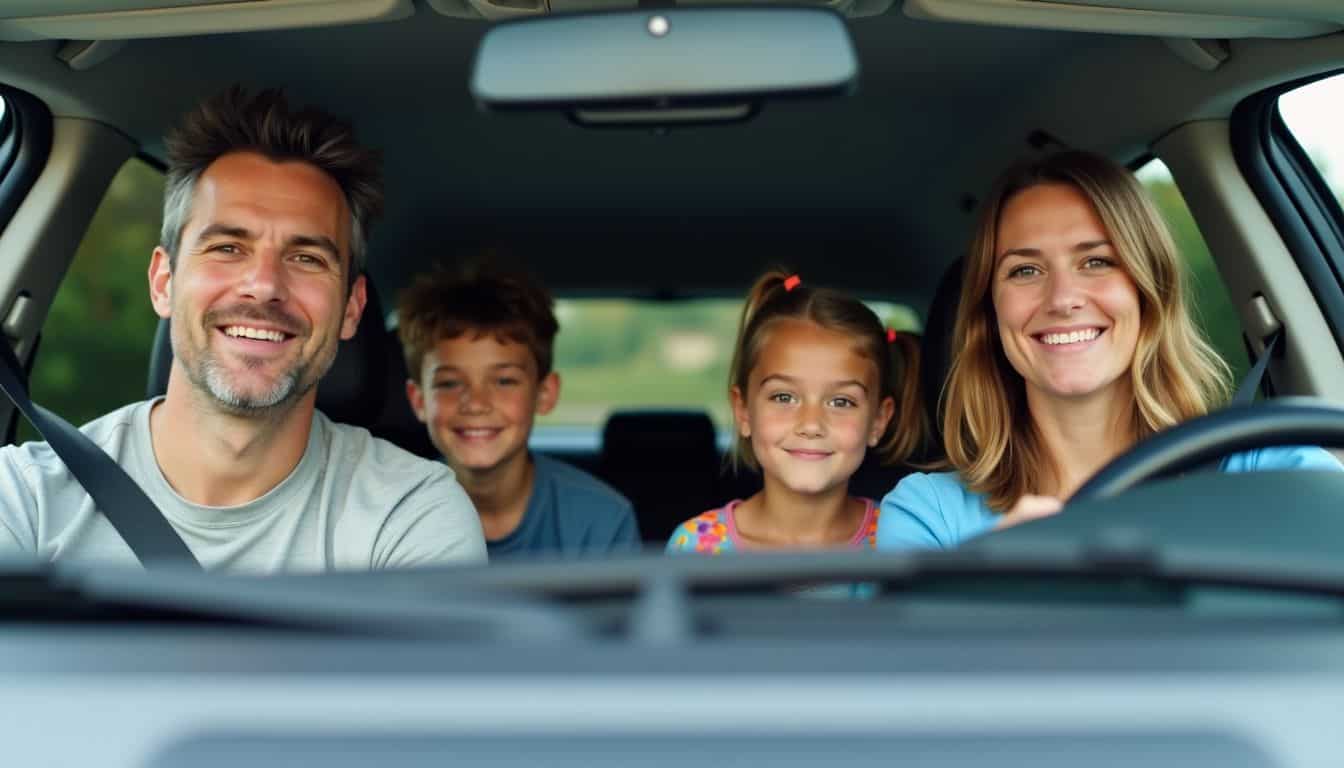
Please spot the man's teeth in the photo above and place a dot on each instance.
(1073, 337)
(253, 333)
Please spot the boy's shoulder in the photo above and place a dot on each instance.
(574, 487)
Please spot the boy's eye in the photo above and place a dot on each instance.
(507, 382)
(781, 397)
(446, 384)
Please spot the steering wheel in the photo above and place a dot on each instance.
(1202, 441)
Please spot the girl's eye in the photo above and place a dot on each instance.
(1023, 271)
(781, 397)
(843, 402)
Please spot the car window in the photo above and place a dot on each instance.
(622, 353)
(1212, 304)
(1311, 112)
(95, 344)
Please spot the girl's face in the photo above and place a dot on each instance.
(1068, 312)
(812, 407)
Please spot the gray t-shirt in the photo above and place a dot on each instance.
(570, 514)
(353, 502)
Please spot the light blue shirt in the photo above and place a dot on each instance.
(935, 511)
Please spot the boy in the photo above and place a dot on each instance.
(478, 347)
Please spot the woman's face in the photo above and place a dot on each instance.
(1068, 312)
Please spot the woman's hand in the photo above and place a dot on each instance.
(1029, 508)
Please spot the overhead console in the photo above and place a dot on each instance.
(22, 20)
(1203, 19)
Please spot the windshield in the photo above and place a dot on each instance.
(664, 329)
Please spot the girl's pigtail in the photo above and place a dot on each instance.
(908, 431)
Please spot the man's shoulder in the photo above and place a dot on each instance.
(109, 432)
(578, 489)
(354, 449)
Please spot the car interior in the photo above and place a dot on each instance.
(867, 183)
(870, 192)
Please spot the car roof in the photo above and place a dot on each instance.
(871, 192)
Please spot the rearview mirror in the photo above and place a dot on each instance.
(672, 65)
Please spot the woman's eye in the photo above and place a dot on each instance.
(1026, 270)
(1098, 262)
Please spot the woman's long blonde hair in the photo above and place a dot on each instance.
(1176, 375)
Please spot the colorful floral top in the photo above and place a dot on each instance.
(714, 532)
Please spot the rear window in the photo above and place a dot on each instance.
(615, 354)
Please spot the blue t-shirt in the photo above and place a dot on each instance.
(935, 511)
(571, 514)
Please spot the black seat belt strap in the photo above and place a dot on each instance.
(122, 502)
(1245, 394)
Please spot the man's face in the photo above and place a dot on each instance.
(478, 396)
(258, 295)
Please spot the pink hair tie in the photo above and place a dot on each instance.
(891, 335)
(791, 282)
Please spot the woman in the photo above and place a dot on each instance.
(1074, 342)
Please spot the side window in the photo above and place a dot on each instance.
(1210, 301)
(1312, 114)
(94, 351)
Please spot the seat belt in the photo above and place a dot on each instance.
(1245, 394)
(114, 493)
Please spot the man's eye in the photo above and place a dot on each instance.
(225, 248)
(309, 260)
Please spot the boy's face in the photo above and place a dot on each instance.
(478, 396)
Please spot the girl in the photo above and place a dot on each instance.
(813, 387)
(1073, 342)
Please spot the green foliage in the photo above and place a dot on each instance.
(95, 345)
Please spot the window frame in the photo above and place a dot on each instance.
(25, 147)
(1294, 195)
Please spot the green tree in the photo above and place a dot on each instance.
(94, 351)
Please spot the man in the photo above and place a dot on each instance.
(266, 212)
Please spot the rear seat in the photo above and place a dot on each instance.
(665, 462)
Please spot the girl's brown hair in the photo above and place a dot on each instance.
(1175, 375)
(777, 296)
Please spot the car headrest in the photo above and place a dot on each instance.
(352, 392)
(936, 347)
(631, 437)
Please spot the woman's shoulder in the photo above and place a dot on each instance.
(1282, 457)
(706, 533)
(931, 510)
